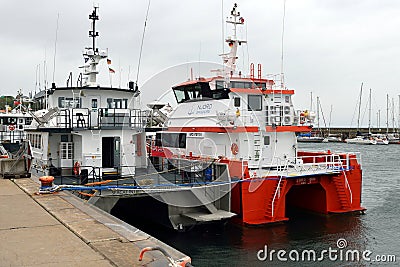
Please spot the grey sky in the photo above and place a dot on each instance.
(331, 46)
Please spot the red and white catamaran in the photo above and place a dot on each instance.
(240, 130)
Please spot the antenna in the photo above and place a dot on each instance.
(199, 59)
(55, 48)
(283, 34)
(93, 32)
(222, 26)
(141, 45)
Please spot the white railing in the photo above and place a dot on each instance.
(328, 162)
(277, 193)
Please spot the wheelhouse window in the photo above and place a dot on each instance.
(69, 102)
(241, 85)
(198, 92)
(180, 95)
(117, 103)
(219, 85)
(254, 102)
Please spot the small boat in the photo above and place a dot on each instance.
(380, 139)
(393, 138)
(13, 121)
(309, 138)
(361, 140)
(334, 138)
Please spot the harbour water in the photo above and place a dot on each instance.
(376, 231)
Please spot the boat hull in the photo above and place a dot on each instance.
(256, 201)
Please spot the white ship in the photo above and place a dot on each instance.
(87, 127)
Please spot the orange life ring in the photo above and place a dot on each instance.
(77, 168)
(11, 127)
(234, 149)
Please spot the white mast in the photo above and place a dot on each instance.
(92, 55)
(369, 112)
(387, 113)
(359, 109)
(229, 59)
(398, 125)
(393, 130)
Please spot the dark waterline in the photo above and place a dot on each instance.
(377, 230)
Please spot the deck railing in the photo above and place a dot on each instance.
(102, 118)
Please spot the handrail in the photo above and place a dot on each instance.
(347, 183)
(277, 190)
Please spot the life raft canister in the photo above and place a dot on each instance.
(234, 149)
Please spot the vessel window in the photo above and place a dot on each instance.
(219, 85)
(66, 150)
(261, 85)
(109, 102)
(21, 121)
(287, 99)
(194, 93)
(254, 102)
(237, 101)
(94, 103)
(28, 121)
(266, 140)
(117, 103)
(179, 95)
(64, 138)
(69, 102)
(198, 91)
(158, 139)
(177, 140)
(36, 140)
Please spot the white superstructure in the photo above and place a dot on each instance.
(88, 126)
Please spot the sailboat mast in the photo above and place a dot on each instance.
(387, 113)
(369, 112)
(330, 118)
(393, 115)
(318, 114)
(359, 109)
(398, 125)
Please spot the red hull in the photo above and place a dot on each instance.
(257, 202)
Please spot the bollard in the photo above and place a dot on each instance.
(46, 181)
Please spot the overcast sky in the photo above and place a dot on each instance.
(330, 46)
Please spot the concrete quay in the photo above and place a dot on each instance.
(63, 230)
